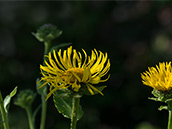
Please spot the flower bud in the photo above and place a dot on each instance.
(47, 32)
(25, 98)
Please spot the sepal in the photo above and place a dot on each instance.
(84, 90)
(165, 97)
(155, 99)
(162, 96)
(163, 107)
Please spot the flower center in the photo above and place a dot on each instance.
(72, 75)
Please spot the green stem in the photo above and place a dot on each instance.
(75, 109)
(170, 114)
(170, 120)
(44, 109)
(4, 113)
(29, 115)
(47, 46)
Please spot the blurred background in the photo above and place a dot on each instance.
(136, 34)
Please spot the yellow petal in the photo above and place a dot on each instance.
(89, 89)
(95, 80)
(95, 89)
(50, 93)
(61, 59)
(105, 79)
(86, 75)
(76, 86)
(69, 52)
(83, 65)
(78, 78)
(46, 69)
(54, 53)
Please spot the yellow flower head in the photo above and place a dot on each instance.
(159, 78)
(70, 70)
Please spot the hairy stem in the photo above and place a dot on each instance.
(75, 109)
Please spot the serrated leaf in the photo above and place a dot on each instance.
(8, 99)
(57, 47)
(63, 103)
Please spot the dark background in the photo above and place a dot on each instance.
(135, 34)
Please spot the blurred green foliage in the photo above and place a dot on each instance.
(145, 125)
(47, 33)
(25, 98)
(135, 34)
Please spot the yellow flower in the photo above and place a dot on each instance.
(70, 70)
(159, 78)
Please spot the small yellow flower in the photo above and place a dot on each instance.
(159, 78)
(70, 70)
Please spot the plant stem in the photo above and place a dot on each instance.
(47, 46)
(29, 114)
(75, 109)
(4, 113)
(44, 109)
(170, 120)
(170, 114)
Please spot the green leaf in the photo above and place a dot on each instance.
(8, 99)
(13, 92)
(57, 47)
(63, 103)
